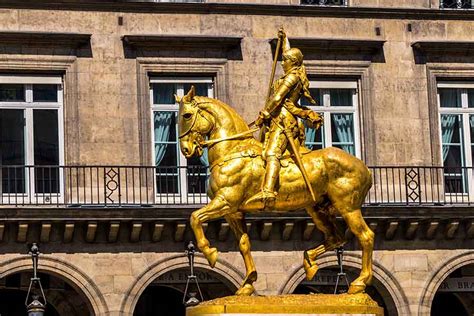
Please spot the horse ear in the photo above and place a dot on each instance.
(190, 95)
(177, 99)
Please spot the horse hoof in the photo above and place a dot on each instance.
(211, 256)
(356, 288)
(310, 270)
(245, 290)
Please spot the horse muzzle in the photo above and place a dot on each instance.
(193, 149)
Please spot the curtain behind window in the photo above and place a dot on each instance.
(162, 133)
(344, 130)
(447, 131)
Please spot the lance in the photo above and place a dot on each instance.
(275, 60)
(272, 76)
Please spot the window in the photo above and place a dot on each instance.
(456, 4)
(325, 2)
(175, 174)
(456, 107)
(337, 101)
(30, 135)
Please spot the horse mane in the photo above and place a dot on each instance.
(214, 106)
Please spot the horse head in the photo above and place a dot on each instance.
(193, 125)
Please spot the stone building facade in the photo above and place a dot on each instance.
(89, 79)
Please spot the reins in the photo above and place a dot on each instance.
(236, 136)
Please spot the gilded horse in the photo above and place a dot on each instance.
(340, 181)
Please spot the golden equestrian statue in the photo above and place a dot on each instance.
(326, 183)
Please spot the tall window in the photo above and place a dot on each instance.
(175, 174)
(337, 101)
(30, 134)
(456, 107)
(457, 4)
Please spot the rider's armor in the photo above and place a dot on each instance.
(281, 112)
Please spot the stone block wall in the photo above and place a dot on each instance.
(107, 121)
(113, 282)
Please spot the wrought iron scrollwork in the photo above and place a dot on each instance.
(456, 4)
(111, 184)
(412, 177)
(325, 2)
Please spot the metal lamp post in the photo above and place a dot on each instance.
(341, 274)
(192, 301)
(35, 307)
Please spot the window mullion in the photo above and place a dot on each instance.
(467, 139)
(210, 91)
(29, 152)
(464, 101)
(327, 130)
(326, 98)
(29, 135)
(356, 124)
(181, 160)
(180, 89)
(29, 93)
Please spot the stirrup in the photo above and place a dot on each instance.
(262, 196)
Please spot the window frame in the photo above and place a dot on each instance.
(326, 109)
(28, 106)
(180, 80)
(464, 112)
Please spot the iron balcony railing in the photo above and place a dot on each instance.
(325, 2)
(74, 186)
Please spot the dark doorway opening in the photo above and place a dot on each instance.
(325, 280)
(12, 303)
(62, 298)
(447, 304)
(455, 295)
(164, 296)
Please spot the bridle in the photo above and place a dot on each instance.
(208, 143)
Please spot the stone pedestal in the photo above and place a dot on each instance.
(281, 305)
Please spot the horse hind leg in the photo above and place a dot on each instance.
(238, 227)
(365, 235)
(333, 238)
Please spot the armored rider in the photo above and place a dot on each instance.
(280, 115)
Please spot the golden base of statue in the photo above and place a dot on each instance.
(292, 304)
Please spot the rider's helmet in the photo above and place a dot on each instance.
(295, 55)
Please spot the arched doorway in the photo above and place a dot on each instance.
(164, 296)
(325, 282)
(62, 298)
(455, 295)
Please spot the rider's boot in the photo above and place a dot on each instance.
(268, 194)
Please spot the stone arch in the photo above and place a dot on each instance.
(223, 268)
(62, 269)
(354, 261)
(438, 275)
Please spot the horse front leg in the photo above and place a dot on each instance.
(239, 229)
(218, 207)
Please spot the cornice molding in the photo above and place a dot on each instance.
(184, 46)
(182, 41)
(445, 47)
(241, 9)
(365, 46)
(45, 39)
